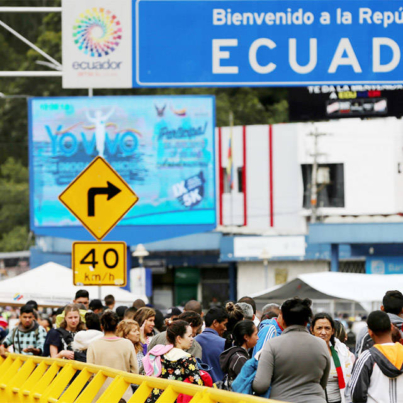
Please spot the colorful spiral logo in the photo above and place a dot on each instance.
(97, 32)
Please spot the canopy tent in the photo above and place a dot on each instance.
(52, 285)
(365, 289)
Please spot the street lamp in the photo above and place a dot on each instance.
(141, 252)
(265, 256)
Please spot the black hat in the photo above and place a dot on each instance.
(174, 311)
(120, 310)
(33, 303)
(96, 304)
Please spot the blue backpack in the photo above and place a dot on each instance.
(243, 382)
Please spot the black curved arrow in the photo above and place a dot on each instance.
(111, 191)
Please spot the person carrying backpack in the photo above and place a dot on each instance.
(59, 341)
(392, 304)
(233, 359)
(28, 337)
(378, 373)
(84, 338)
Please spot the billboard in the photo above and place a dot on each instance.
(344, 101)
(176, 43)
(163, 147)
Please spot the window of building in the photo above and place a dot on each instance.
(240, 179)
(330, 184)
(227, 188)
(237, 180)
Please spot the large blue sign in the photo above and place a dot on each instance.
(162, 146)
(266, 43)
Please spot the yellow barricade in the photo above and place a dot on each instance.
(27, 379)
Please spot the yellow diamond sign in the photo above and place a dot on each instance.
(99, 198)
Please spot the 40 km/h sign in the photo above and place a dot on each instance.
(99, 263)
(99, 198)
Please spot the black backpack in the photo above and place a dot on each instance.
(67, 338)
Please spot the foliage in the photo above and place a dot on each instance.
(249, 105)
(14, 205)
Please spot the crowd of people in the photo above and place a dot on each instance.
(288, 354)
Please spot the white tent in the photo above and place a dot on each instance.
(365, 289)
(52, 285)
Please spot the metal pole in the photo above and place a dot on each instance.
(231, 125)
(30, 9)
(31, 74)
(90, 94)
(314, 189)
(31, 45)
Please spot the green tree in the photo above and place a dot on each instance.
(14, 206)
(249, 106)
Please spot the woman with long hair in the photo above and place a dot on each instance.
(195, 321)
(59, 341)
(232, 360)
(112, 351)
(171, 361)
(340, 331)
(295, 365)
(235, 315)
(324, 327)
(129, 329)
(145, 317)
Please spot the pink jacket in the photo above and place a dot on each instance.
(152, 361)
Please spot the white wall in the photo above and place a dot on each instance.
(287, 179)
(233, 208)
(257, 176)
(251, 275)
(369, 149)
(288, 185)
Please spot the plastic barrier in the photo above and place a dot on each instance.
(26, 379)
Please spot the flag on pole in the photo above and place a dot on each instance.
(230, 162)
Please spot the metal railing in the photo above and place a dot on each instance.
(27, 379)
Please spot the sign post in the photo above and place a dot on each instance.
(99, 198)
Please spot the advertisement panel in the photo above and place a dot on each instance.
(344, 101)
(163, 147)
(233, 43)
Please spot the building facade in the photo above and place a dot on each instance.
(264, 178)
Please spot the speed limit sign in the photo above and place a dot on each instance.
(99, 263)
